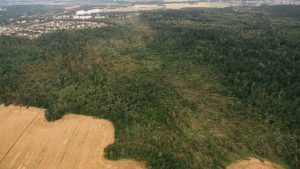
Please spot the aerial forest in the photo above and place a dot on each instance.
(185, 89)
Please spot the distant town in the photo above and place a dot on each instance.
(32, 26)
(40, 27)
(267, 2)
(70, 17)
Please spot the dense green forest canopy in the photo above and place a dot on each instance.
(258, 54)
(194, 88)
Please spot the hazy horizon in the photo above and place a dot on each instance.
(106, 2)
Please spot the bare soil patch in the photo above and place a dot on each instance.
(253, 163)
(172, 5)
(28, 141)
(197, 5)
(133, 8)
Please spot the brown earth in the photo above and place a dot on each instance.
(28, 141)
(253, 163)
(173, 5)
(197, 5)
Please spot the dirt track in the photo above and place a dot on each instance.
(28, 141)
(254, 163)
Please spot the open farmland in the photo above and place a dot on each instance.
(27, 140)
(253, 163)
(197, 5)
(149, 7)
